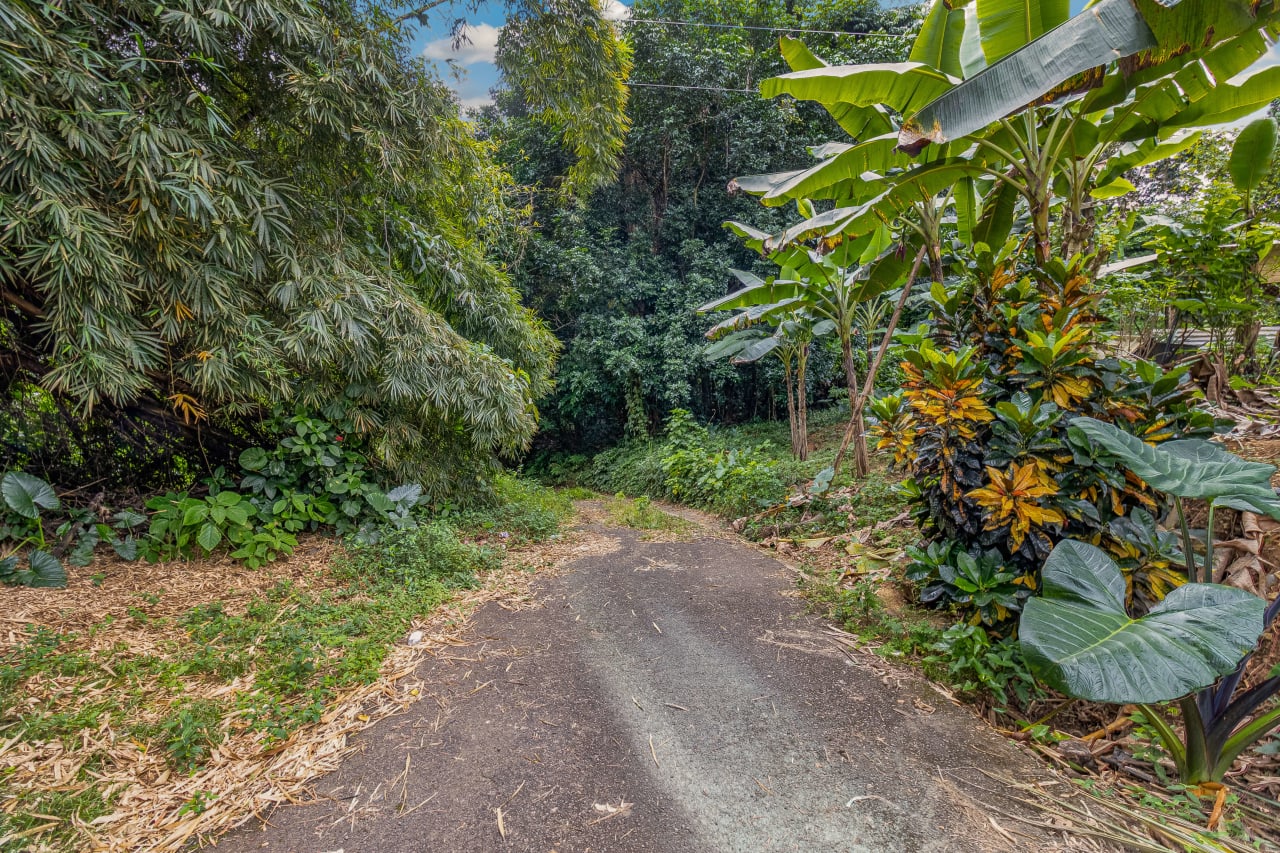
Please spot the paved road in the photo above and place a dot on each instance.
(665, 696)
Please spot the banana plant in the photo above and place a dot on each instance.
(743, 343)
(1193, 646)
(1012, 101)
(827, 286)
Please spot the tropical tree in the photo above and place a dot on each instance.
(738, 340)
(206, 211)
(831, 286)
(618, 278)
(1011, 104)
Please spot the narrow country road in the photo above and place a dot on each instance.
(665, 696)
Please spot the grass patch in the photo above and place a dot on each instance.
(117, 683)
(641, 514)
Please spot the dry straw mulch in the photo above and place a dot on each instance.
(245, 775)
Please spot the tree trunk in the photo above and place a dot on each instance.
(802, 405)
(791, 407)
(855, 432)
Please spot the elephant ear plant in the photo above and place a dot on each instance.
(1193, 645)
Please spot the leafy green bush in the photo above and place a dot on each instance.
(180, 523)
(413, 557)
(520, 508)
(734, 481)
(975, 663)
(317, 476)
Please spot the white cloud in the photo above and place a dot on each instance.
(481, 46)
(616, 11)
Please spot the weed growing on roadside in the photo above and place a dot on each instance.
(643, 515)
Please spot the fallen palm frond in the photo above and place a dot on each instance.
(1119, 824)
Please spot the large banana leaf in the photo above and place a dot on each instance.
(756, 350)
(1176, 35)
(856, 171)
(1078, 638)
(1252, 154)
(901, 86)
(857, 121)
(1006, 25)
(941, 37)
(1107, 31)
(1189, 468)
(776, 293)
(860, 219)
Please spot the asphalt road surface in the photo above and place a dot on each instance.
(665, 696)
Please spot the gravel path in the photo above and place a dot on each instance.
(665, 696)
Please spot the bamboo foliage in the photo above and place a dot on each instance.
(215, 207)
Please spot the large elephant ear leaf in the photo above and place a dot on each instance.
(27, 495)
(1079, 640)
(46, 571)
(1191, 468)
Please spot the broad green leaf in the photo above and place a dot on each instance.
(1188, 468)
(996, 221)
(903, 86)
(941, 35)
(756, 350)
(1252, 154)
(409, 494)
(1108, 30)
(965, 195)
(855, 172)
(26, 494)
(46, 571)
(1260, 504)
(1078, 638)
(209, 536)
(775, 293)
(1114, 189)
(1136, 155)
(1228, 103)
(858, 121)
(253, 459)
(863, 219)
(1007, 25)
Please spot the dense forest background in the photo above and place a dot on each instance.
(618, 276)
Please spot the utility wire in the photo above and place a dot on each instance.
(627, 21)
(698, 88)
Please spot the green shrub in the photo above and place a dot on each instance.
(318, 475)
(1007, 359)
(520, 508)
(974, 663)
(413, 557)
(734, 481)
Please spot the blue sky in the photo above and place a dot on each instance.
(470, 69)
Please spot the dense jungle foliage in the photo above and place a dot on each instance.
(210, 210)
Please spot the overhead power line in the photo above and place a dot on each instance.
(698, 88)
(768, 29)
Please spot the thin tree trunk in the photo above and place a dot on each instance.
(855, 430)
(802, 404)
(791, 407)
